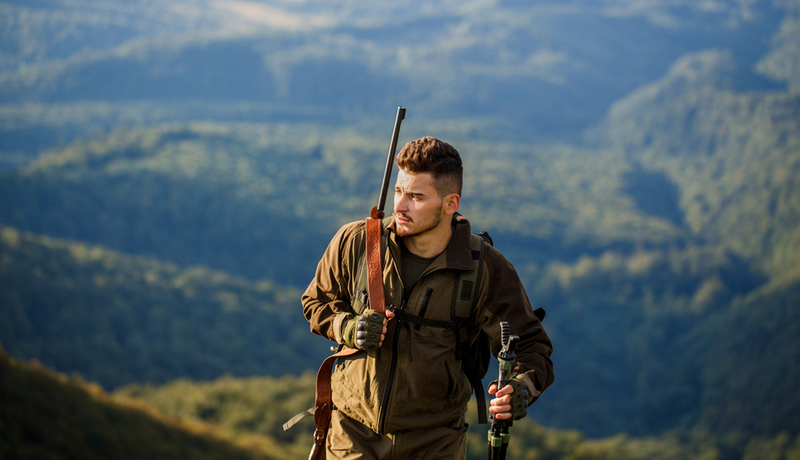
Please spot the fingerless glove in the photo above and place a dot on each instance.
(521, 398)
(364, 331)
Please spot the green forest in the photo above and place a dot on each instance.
(171, 174)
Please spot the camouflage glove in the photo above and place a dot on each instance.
(520, 398)
(364, 331)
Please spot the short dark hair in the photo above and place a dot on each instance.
(430, 155)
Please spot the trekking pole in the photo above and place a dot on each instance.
(498, 433)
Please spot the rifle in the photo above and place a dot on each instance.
(498, 433)
(375, 230)
(322, 404)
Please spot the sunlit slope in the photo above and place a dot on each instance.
(260, 405)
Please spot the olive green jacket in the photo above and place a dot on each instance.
(414, 381)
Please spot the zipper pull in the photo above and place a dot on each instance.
(424, 306)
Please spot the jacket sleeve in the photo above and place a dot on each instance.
(326, 301)
(508, 301)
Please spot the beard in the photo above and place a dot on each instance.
(421, 225)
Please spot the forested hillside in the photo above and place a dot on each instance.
(117, 319)
(170, 173)
(733, 155)
(214, 195)
(230, 193)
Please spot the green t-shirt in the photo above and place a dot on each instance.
(411, 267)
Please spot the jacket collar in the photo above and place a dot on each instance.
(457, 255)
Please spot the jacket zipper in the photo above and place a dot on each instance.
(395, 342)
(392, 369)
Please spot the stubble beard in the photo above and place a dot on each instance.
(426, 226)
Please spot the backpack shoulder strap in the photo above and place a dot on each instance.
(465, 296)
(465, 293)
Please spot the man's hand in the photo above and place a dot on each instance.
(511, 402)
(367, 331)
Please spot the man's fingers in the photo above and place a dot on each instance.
(507, 390)
(501, 401)
(499, 407)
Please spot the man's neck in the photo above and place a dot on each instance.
(431, 243)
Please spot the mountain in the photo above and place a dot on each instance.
(636, 162)
(509, 68)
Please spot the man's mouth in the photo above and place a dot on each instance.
(402, 219)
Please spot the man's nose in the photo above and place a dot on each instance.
(400, 202)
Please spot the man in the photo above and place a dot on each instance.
(403, 394)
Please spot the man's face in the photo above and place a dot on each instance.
(417, 207)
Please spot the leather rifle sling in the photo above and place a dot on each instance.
(374, 265)
(323, 404)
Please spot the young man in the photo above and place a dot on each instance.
(403, 394)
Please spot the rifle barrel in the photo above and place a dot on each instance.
(387, 174)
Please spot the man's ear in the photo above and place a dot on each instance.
(451, 203)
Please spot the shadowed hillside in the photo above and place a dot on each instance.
(114, 318)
